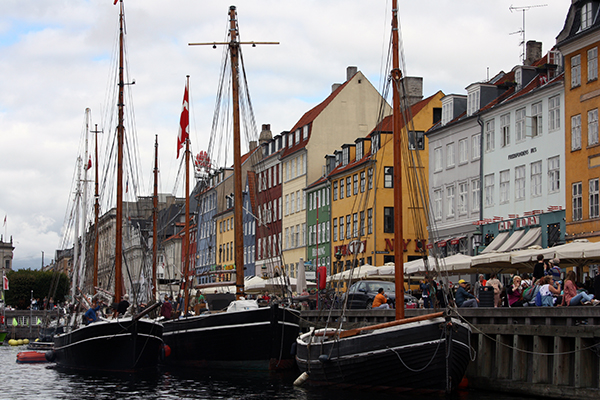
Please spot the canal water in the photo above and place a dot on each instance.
(44, 382)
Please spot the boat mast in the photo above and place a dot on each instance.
(234, 48)
(397, 127)
(120, 135)
(84, 200)
(155, 219)
(76, 264)
(186, 230)
(96, 212)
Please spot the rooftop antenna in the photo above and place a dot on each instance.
(522, 30)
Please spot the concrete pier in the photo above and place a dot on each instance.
(542, 351)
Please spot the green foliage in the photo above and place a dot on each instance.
(23, 281)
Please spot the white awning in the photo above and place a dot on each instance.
(532, 237)
(496, 243)
(511, 241)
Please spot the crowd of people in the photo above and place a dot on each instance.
(543, 288)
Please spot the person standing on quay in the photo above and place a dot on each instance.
(480, 282)
(497, 285)
(538, 269)
(427, 293)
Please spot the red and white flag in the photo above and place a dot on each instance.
(184, 121)
(5, 282)
(89, 165)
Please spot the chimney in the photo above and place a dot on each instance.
(253, 145)
(265, 134)
(335, 87)
(533, 52)
(350, 72)
(414, 89)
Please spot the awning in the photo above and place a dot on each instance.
(456, 240)
(532, 237)
(496, 243)
(511, 241)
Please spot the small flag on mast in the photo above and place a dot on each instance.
(89, 165)
(5, 282)
(184, 121)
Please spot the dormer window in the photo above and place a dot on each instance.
(375, 143)
(472, 100)
(447, 112)
(586, 16)
(305, 132)
(298, 135)
(338, 158)
(345, 155)
(519, 78)
(359, 149)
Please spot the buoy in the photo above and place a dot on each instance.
(28, 357)
(323, 358)
(165, 351)
(19, 342)
(50, 355)
(301, 379)
(25, 341)
(12, 342)
(464, 384)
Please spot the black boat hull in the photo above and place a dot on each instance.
(407, 356)
(251, 339)
(123, 345)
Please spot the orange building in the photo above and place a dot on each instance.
(578, 43)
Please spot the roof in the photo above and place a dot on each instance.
(571, 30)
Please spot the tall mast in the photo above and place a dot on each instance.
(155, 219)
(186, 230)
(96, 211)
(84, 199)
(75, 278)
(234, 48)
(397, 124)
(120, 135)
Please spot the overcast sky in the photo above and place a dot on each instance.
(55, 59)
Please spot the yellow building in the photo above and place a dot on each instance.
(578, 43)
(225, 262)
(362, 186)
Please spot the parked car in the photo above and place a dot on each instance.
(362, 293)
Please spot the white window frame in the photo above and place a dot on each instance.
(536, 119)
(576, 71)
(463, 197)
(490, 135)
(476, 146)
(520, 125)
(592, 127)
(450, 201)
(576, 132)
(536, 178)
(554, 113)
(594, 195)
(520, 182)
(475, 195)
(504, 186)
(577, 201)
(450, 155)
(437, 204)
(553, 174)
(438, 159)
(463, 151)
(489, 190)
(504, 130)
(592, 64)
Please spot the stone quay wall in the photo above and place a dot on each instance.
(542, 351)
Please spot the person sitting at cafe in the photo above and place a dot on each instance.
(464, 298)
(380, 301)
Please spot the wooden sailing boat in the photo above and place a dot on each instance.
(246, 335)
(127, 344)
(430, 351)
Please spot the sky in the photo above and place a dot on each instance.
(55, 61)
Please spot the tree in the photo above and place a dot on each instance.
(43, 283)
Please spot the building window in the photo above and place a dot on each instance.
(490, 135)
(576, 71)
(592, 62)
(335, 189)
(586, 16)
(355, 225)
(437, 204)
(335, 234)
(446, 112)
(536, 119)
(348, 231)
(416, 140)
(437, 157)
(359, 150)
(348, 186)
(463, 190)
(388, 177)
(520, 182)
(576, 132)
(463, 151)
(450, 201)
(577, 202)
(505, 130)
(374, 143)
(553, 174)
(370, 178)
(450, 155)
(369, 221)
(593, 127)
(342, 188)
(504, 186)
(362, 182)
(473, 101)
(520, 125)
(594, 211)
(554, 113)
(388, 219)
(476, 146)
(536, 178)
(475, 194)
(342, 228)
(489, 190)
(362, 223)
(292, 203)
(355, 184)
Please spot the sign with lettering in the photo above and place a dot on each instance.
(528, 221)
(505, 225)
